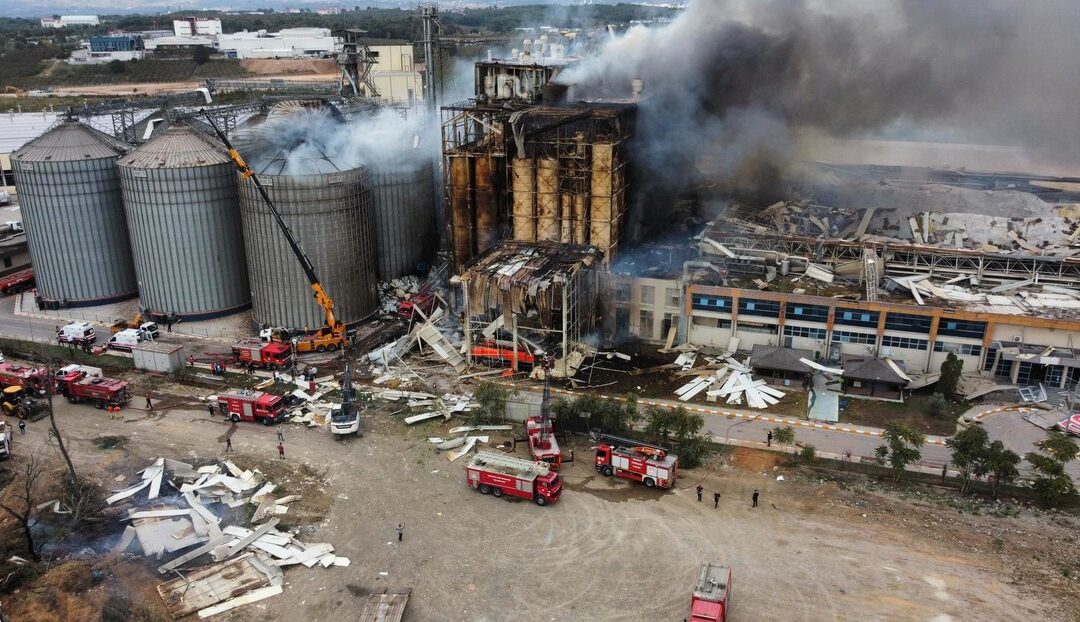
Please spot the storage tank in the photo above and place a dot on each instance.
(403, 199)
(183, 215)
(69, 195)
(330, 215)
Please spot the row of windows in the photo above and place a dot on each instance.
(965, 349)
(962, 328)
(855, 317)
(842, 336)
(712, 303)
(904, 343)
(908, 323)
(807, 313)
(763, 308)
(805, 332)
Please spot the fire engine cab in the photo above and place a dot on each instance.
(649, 464)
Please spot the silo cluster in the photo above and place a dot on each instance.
(180, 193)
(69, 193)
(330, 215)
(174, 223)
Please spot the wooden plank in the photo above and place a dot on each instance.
(250, 597)
(386, 606)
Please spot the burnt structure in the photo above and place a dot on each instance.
(523, 163)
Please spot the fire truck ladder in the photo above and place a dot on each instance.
(510, 462)
(624, 443)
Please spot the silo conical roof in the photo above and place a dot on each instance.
(68, 141)
(178, 146)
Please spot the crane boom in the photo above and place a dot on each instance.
(321, 297)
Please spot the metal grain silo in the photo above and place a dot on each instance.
(183, 214)
(404, 207)
(329, 213)
(69, 193)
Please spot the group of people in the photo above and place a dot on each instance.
(716, 497)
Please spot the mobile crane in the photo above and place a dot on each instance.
(332, 335)
(345, 419)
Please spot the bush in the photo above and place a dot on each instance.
(117, 67)
(808, 454)
(937, 405)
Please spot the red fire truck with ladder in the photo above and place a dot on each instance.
(709, 602)
(540, 430)
(77, 386)
(651, 465)
(498, 474)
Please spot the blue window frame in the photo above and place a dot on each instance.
(761, 308)
(807, 313)
(856, 317)
(704, 302)
(962, 328)
(908, 323)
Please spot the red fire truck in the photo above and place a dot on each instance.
(424, 302)
(34, 379)
(542, 443)
(709, 602)
(268, 355)
(77, 387)
(500, 474)
(649, 464)
(245, 405)
(17, 282)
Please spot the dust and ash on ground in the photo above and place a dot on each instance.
(819, 546)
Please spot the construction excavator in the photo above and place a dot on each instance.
(332, 335)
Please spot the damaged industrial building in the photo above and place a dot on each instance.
(871, 272)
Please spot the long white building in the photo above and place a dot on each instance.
(287, 43)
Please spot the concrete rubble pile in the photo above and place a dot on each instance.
(394, 291)
(185, 509)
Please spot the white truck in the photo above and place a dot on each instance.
(5, 441)
(125, 339)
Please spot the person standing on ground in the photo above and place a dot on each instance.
(280, 434)
(149, 404)
(281, 450)
(715, 500)
(22, 427)
(754, 497)
(210, 409)
(228, 444)
(400, 532)
(769, 439)
(699, 489)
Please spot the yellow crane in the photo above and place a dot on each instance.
(332, 335)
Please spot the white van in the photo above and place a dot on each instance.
(90, 372)
(76, 332)
(124, 339)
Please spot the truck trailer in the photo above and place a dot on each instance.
(500, 474)
(77, 386)
(245, 405)
(33, 379)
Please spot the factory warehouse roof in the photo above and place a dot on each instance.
(873, 369)
(783, 359)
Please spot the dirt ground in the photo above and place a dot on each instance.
(816, 548)
(913, 411)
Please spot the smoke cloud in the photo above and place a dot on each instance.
(306, 141)
(731, 86)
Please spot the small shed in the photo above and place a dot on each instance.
(781, 363)
(872, 377)
(166, 358)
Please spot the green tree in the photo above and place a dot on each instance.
(1052, 483)
(658, 424)
(117, 67)
(491, 403)
(1001, 465)
(951, 369)
(937, 405)
(784, 435)
(902, 447)
(200, 54)
(969, 453)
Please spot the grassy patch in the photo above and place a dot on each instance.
(913, 412)
(135, 72)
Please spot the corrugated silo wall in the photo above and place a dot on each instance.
(187, 239)
(404, 204)
(331, 217)
(76, 231)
